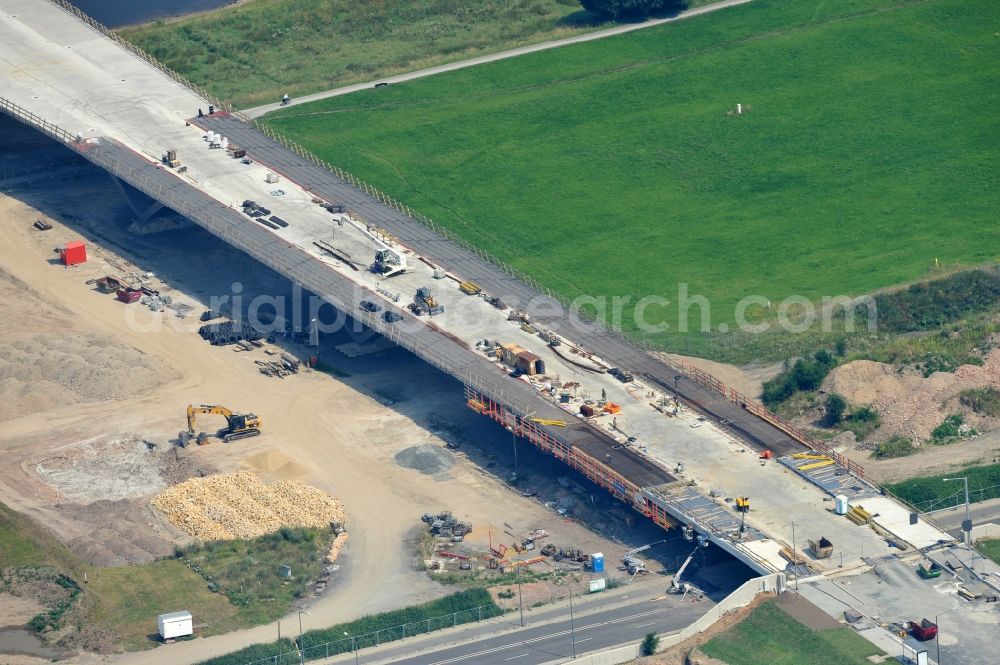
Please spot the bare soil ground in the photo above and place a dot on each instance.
(335, 434)
(930, 460)
(17, 610)
(911, 405)
(749, 380)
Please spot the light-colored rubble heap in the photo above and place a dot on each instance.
(240, 505)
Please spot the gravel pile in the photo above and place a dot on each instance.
(240, 505)
(426, 458)
(48, 371)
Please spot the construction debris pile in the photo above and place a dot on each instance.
(279, 368)
(229, 332)
(446, 525)
(240, 505)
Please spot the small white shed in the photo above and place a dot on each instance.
(175, 624)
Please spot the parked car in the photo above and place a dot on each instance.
(392, 317)
(370, 306)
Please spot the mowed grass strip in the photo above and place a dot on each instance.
(255, 52)
(867, 152)
(770, 636)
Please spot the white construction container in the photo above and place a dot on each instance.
(272, 177)
(175, 624)
(840, 505)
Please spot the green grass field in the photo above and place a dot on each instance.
(126, 600)
(932, 493)
(990, 548)
(254, 53)
(770, 636)
(868, 151)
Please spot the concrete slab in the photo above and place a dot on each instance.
(896, 519)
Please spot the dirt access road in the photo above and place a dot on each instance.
(258, 111)
(333, 433)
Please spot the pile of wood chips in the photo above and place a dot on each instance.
(240, 505)
(335, 547)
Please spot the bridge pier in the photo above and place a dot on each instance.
(151, 216)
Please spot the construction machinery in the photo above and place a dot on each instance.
(388, 262)
(676, 585)
(425, 303)
(632, 563)
(170, 159)
(238, 425)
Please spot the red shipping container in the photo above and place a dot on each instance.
(73, 253)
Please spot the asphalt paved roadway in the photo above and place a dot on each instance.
(553, 640)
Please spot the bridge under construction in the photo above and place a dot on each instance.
(669, 440)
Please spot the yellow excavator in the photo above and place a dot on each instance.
(238, 425)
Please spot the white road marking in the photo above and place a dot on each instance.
(561, 633)
(518, 656)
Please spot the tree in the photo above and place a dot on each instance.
(619, 9)
(649, 644)
(834, 410)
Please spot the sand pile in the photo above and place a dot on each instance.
(911, 405)
(240, 505)
(49, 371)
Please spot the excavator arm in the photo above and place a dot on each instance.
(238, 425)
(193, 411)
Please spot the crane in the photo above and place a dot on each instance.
(238, 425)
(388, 261)
(633, 564)
(676, 586)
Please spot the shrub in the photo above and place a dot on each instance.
(949, 429)
(649, 644)
(804, 375)
(862, 421)
(897, 446)
(930, 305)
(833, 410)
(985, 401)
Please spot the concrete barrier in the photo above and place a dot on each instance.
(741, 597)
(988, 530)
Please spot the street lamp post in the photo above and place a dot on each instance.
(302, 648)
(520, 596)
(967, 524)
(794, 557)
(354, 647)
(572, 628)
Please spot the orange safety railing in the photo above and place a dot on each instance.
(762, 412)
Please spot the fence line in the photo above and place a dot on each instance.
(378, 637)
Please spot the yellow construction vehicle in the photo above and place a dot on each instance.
(238, 425)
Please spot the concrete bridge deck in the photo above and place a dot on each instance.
(69, 80)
